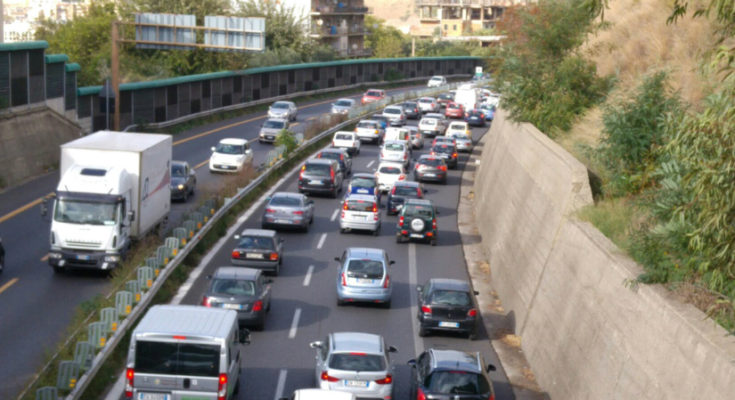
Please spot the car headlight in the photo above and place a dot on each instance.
(54, 256)
(112, 258)
(181, 186)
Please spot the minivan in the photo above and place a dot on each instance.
(320, 175)
(179, 352)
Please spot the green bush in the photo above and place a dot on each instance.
(393, 75)
(287, 139)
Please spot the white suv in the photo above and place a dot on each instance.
(347, 140)
(389, 173)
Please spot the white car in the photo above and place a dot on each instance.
(428, 104)
(431, 127)
(462, 141)
(395, 151)
(437, 80)
(347, 140)
(360, 212)
(230, 155)
(417, 138)
(319, 394)
(342, 106)
(369, 130)
(395, 115)
(283, 109)
(389, 173)
(458, 127)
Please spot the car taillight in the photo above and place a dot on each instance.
(298, 213)
(375, 208)
(301, 174)
(274, 256)
(426, 309)
(326, 377)
(393, 191)
(405, 156)
(432, 153)
(401, 177)
(129, 375)
(492, 397)
(433, 223)
(269, 211)
(386, 283)
(382, 154)
(343, 215)
(419, 192)
(472, 312)
(376, 132)
(235, 254)
(420, 395)
(442, 167)
(400, 221)
(454, 155)
(344, 280)
(344, 207)
(331, 174)
(206, 301)
(258, 306)
(385, 381)
(222, 387)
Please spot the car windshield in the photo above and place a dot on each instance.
(450, 298)
(357, 362)
(229, 148)
(436, 78)
(178, 170)
(280, 105)
(413, 210)
(83, 212)
(361, 205)
(256, 242)
(392, 111)
(373, 93)
(431, 161)
(406, 191)
(442, 149)
(460, 135)
(272, 124)
(317, 169)
(409, 105)
(343, 103)
(426, 100)
(446, 96)
(233, 287)
(343, 136)
(428, 121)
(393, 147)
(285, 201)
(456, 382)
(367, 125)
(390, 170)
(365, 268)
(379, 117)
(362, 182)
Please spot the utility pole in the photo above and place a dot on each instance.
(413, 46)
(115, 61)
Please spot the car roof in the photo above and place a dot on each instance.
(450, 284)
(363, 197)
(420, 202)
(363, 175)
(390, 164)
(357, 341)
(287, 194)
(463, 123)
(407, 183)
(322, 394)
(455, 361)
(428, 157)
(325, 161)
(396, 107)
(233, 141)
(345, 99)
(259, 232)
(276, 119)
(334, 150)
(176, 162)
(427, 98)
(284, 102)
(351, 133)
(401, 142)
(372, 121)
(365, 252)
(434, 115)
(240, 273)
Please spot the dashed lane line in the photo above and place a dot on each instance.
(281, 384)
(294, 324)
(307, 278)
(321, 241)
(334, 215)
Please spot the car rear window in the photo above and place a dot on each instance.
(450, 298)
(317, 169)
(456, 382)
(176, 358)
(374, 93)
(357, 362)
(343, 136)
(409, 105)
(406, 191)
(442, 149)
(390, 170)
(362, 182)
(446, 96)
(360, 205)
(392, 111)
(329, 155)
(256, 242)
(370, 269)
(412, 210)
(233, 287)
(279, 105)
(285, 201)
(343, 103)
(431, 161)
(368, 125)
(428, 121)
(457, 127)
(426, 100)
(394, 147)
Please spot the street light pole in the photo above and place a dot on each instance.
(115, 61)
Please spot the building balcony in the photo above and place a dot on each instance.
(462, 3)
(334, 31)
(337, 10)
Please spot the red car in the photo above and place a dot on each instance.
(373, 95)
(454, 110)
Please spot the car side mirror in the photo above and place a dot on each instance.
(213, 149)
(336, 259)
(316, 345)
(411, 363)
(392, 349)
(490, 367)
(475, 292)
(391, 262)
(419, 289)
(236, 237)
(131, 215)
(244, 336)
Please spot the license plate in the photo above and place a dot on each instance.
(448, 324)
(416, 235)
(153, 396)
(362, 191)
(429, 174)
(317, 182)
(282, 221)
(363, 280)
(269, 137)
(232, 306)
(356, 383)
(82, 257)
(253, 255)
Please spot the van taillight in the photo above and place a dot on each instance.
(426, 309)
(393, 191)
(331, 174)
(433, 223)
(222, 387)
(235, 254)
(301, 174)
(420, 395)
(400, 221)
(129, 375)
(344, 280)
(258, 305)
(274, 256)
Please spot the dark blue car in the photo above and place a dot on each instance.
(489, 112)
(363, 183)
(475, 118)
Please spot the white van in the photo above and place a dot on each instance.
(468, 98)
(399, 134)
(179, 352)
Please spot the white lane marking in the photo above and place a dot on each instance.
(294, 324)
(307, 278)
(370, 164)
(321, 241)
(418, 342)
(334, 214)
(281, 384)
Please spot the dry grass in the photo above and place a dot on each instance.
(228, 184)
(322, 123)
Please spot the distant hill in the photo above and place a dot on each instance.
(400, 14)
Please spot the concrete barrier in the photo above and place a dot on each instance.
(587, 333)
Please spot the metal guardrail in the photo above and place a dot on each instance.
(104, 335)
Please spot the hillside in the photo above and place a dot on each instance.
(399, 14)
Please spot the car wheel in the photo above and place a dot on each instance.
(260, 325)
(342, 230)
(277, 271)
(399, 239)
(376, 232)
(58, 269)
(2, 263)
(340, 302)
(311, 220)
(472, 335)
(387, 304)
(334, 193)
(305, 228)
(433, 242)
(423, 332)
(186, 196)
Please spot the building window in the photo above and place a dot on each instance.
(454, 27)
(446, 27)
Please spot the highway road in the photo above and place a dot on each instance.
(304, 308)
(36, 305)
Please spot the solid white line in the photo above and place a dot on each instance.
(418, 342)
(370, 164)
(307, 278)
(321, 241)
(281, 384)
(334, 215)
(294, 324)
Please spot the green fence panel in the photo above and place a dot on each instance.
(124, 303)
(66, 377)
(108, 315)
(47, 393)
(134, 288)
(97, 334)
(205, 211)
(145, 277)
(181, 234)
(83, 355)
(198, 218)
(191, 227)
(163, 254)
(173, 244)
(152, 262)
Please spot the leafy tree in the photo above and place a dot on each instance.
(385, 41)
(199, 8)
(283, 29)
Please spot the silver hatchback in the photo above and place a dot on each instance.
(360, 212)
(288, 210)
(355, 362)
(364, 276)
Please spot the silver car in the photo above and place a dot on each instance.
(342, 106)
(369, 130)
(271, 128)
(463, 142)
(288, 210)
(258, 248)
(355, 362)
(284, 110)
(417, 138)
(364, 276)
(395, 151)
(395, 115)
(428, 104)
(360, 212)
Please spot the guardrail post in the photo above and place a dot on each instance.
(180, 233)
(97, 334)
(145, 277)
(47, 393)
(67, 376)
(83, 355)
(134, 288)
(198, 218)
(173, 244)
(163, 254)
(123, 303)
(191, 227)
(108, 315)
(153, 263)
(211, 205)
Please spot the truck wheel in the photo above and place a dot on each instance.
(58, 269)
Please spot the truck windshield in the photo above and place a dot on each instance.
(85, 212)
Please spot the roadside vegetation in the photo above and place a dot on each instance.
(655, 130)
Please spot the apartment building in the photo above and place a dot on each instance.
(460, 17)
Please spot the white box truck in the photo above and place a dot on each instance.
(113, 188)
(467, 97)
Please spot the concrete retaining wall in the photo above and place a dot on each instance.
(585, 331)
(29, 142)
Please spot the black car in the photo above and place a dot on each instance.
(447, 305)
(447, 152)
(475, 118)
(450, 374)
(417, 220)
(402, 191)
(444, 99)
(430, 168)
(245, 290)
(411, 109)
(320, 175)
(341, 155)
(183, 180)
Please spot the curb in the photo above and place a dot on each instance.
(498, 324)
